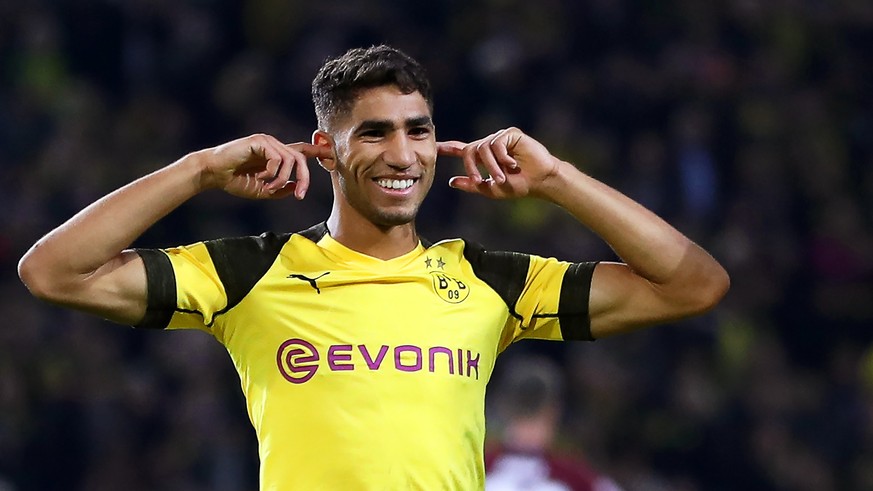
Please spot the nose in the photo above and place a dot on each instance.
(400, 152)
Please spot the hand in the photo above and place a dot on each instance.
(518, 165)
(259, 167)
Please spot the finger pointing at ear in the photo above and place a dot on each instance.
(312, 151)
(452, 148)
(464, 151)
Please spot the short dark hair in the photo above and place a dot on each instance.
(528, 385)
(340, 79)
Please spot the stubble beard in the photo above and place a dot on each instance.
(380, 217)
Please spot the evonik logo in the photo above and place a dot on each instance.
(298, 360)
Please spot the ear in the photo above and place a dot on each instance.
(321, 138)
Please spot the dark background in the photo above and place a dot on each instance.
(747, 124)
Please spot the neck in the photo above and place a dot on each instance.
(362, 235)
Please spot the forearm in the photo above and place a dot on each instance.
(99, 233)
(665, 277)
(650, 246)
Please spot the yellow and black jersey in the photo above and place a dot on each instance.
(361, 373)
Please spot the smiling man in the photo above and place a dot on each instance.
(385, 153)
(363, 350)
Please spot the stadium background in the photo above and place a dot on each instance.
(747, 123)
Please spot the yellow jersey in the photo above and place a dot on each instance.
(359, 373)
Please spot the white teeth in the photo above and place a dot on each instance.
(395, 183)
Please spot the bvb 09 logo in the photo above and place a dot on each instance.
(448, 288)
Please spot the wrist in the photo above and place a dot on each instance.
(552, 187)
(195, 164)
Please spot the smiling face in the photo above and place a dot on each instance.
(385, 155)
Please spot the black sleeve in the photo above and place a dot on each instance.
(573, 304)
(160, 289)
(240, 263)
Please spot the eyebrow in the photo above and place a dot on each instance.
(388, 125)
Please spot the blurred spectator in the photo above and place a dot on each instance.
(529, 406)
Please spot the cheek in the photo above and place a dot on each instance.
(427, 155)
(360, 162)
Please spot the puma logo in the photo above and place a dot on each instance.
(309, 280)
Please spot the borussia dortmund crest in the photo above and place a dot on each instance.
(449, 288)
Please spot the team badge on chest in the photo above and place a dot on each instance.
(449, 288)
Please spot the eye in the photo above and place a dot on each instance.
(419, 132)
(371, 134)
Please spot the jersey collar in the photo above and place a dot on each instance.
(351, 256)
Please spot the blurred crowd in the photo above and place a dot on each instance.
(746, 123)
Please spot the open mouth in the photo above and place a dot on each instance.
(395, 184)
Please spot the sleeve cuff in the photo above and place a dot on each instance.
(161, 289)
(573, 303)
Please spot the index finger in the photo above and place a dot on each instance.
(451, 148)
(311, 151)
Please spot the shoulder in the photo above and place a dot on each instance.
(486, 263)
(242, 250)
(503, 271)
(250, 251)
(315, 232)
(240, 262)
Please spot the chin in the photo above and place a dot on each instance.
(393, 219)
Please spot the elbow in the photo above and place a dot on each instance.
(711, 289)
(29, 273)
(37, 277)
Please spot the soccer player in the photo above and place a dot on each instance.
(363, 350)
(525, 457)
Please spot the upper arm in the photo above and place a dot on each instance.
(116, 291)
(621, 300)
